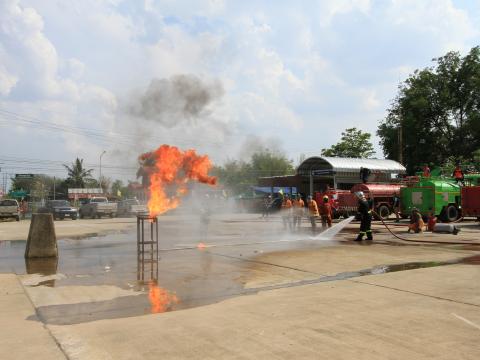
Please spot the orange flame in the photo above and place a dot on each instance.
(160, 299)
(170, 169)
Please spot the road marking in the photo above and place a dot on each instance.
(467, 321)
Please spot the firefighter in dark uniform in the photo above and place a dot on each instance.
(365, 217)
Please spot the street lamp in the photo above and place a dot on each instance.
(100, 177)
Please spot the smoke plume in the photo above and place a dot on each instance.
(181, 98)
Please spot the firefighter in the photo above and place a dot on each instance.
(312, 211)
(287, 212)
(325, 210)
(416, 221)
(426, 171)
(298, 210)
(458, 174)
(267, 203)
(365, 217)
(364, 174)
(396, 206)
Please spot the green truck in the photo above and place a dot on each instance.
(432, 195)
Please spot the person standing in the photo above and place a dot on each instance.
(312, 211)
(396, 206)
(364, 174)
(287, 212)
(298, 210)
(365, 217)
(458, 174)
(267, 202)
(23, 208)
(426, 171)
(326, 212)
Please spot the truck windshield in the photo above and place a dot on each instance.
(8, 203)
(99, 200)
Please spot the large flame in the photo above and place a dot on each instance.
(169, 170)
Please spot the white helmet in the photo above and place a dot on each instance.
(360, 194)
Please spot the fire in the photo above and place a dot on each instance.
(169, 170)
(160, 299)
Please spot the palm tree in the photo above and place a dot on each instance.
(77, 175)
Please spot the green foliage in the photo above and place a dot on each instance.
(78, 177)
(353, 144)
(238, 176)
(41, 186)
(438, 112)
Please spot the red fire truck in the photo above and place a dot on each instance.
(381, 195)
(470, 201)
(343, 202)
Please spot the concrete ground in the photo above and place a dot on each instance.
(13, 230)
(253, 290)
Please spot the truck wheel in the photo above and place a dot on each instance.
(99, 216)
(74, 217)
(111, 215)
(450, 213)
(54, 217)
(383, 212)
(17, 218)
(81, 215)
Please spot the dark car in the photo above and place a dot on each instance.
(61, 209)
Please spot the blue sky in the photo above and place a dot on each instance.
(294, 74)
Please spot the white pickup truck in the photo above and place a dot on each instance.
(9, 209)
(98, 207)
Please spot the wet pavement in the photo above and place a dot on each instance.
(97, 278)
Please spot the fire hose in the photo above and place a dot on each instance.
(412, 240)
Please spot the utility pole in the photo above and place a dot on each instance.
(54, 188)
(100, 177)
(400, 144)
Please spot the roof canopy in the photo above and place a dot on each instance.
(341, 166)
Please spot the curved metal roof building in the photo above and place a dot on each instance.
(348, 166)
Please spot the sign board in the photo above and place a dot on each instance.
(79, 193)
(24, 176)
(85, 191)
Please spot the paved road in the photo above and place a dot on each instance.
(253, 291)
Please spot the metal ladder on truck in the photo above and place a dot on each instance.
(147, 249)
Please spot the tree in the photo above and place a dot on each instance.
(78, 177)
(436, 113)
(41, 186)
(117, 187)
(353, 144)
(239, 176)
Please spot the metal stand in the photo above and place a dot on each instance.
(147, 249)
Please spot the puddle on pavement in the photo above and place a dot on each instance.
(186, 278)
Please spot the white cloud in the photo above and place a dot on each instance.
(441, 19)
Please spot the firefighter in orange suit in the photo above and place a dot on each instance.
(287, 212)
(326, 212)
(298, 209)
(312, 211)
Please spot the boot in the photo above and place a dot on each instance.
(359, 237)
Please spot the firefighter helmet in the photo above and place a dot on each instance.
(360, 194)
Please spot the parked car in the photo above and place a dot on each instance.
(131, 207)
(98, 207)
(60, 209)
(9, 209)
